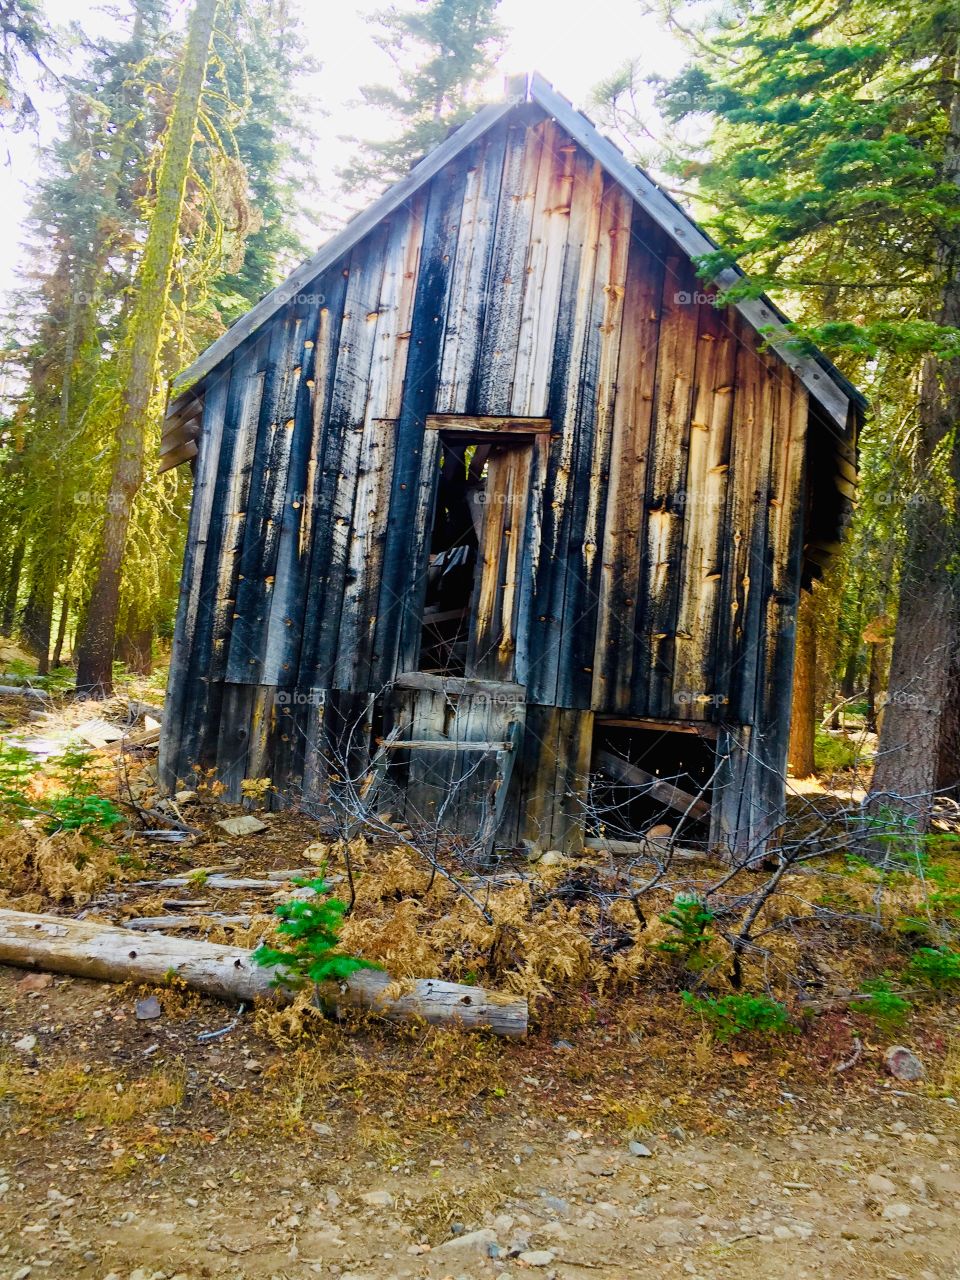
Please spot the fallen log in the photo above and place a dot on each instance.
(149, 924)
(110, 954)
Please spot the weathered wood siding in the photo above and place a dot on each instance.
(662, 538)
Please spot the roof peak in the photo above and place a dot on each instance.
(824, 382)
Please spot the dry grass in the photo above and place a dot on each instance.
(73, 1090)
(432, 1214)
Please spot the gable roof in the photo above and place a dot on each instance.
(824, 382)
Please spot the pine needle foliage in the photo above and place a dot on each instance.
(313, 927)
(443, 51)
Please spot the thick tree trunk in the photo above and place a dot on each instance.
(37, 622)
(140, 365)
(89, 950)
(803, 720)
(919, 752)
(910, 761)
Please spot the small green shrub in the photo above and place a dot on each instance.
(17, 767)
(313, 927)
(831, 752)
(883, 1004)
(690, 920)
(82, 813)
(936, 966)
(78, 808)
(737, 1015)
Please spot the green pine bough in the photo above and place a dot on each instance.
(313, 927)
(737, 1015)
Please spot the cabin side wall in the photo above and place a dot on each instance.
(521, 281)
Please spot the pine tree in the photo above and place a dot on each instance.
(25, 38)
(83, 228)
(261, 64)
(139, 363)
(443, 50)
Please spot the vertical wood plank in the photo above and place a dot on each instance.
(375, 462)
(337, 486)
(503, 295)
(595, 414)
(289, 595)
(543, 274)
(574, 362)
(185, 636)
(622, 650)
(738, 644)
(782, 585)
(266, 497)
(470, 277)
(666, 474)
(402, 579)
(708, 463)
(494, 611)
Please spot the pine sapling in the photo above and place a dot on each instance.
(313, 927)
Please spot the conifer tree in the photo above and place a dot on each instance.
(140, 356)
(443, 51)
(25, 38)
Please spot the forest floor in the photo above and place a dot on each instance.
(621, 1138)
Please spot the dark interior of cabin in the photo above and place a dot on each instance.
(648, 778)
(457, 523)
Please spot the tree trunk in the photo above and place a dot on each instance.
(803, 720)
(109, 954)
(135, 649)
(64, 613)
(37, 622)
(140, 359)
(12, 588)
(919, 750)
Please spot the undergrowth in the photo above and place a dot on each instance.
(313, 926)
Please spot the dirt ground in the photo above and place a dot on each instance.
(132, 1149)
(619, 1139)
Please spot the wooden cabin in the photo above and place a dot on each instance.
(494, 506)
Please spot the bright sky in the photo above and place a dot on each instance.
(573, 43)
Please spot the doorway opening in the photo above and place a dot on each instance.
(650, 781)
(454, 549)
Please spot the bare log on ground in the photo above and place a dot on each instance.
(109, 954)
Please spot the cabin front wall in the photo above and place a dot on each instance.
(665, 534)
